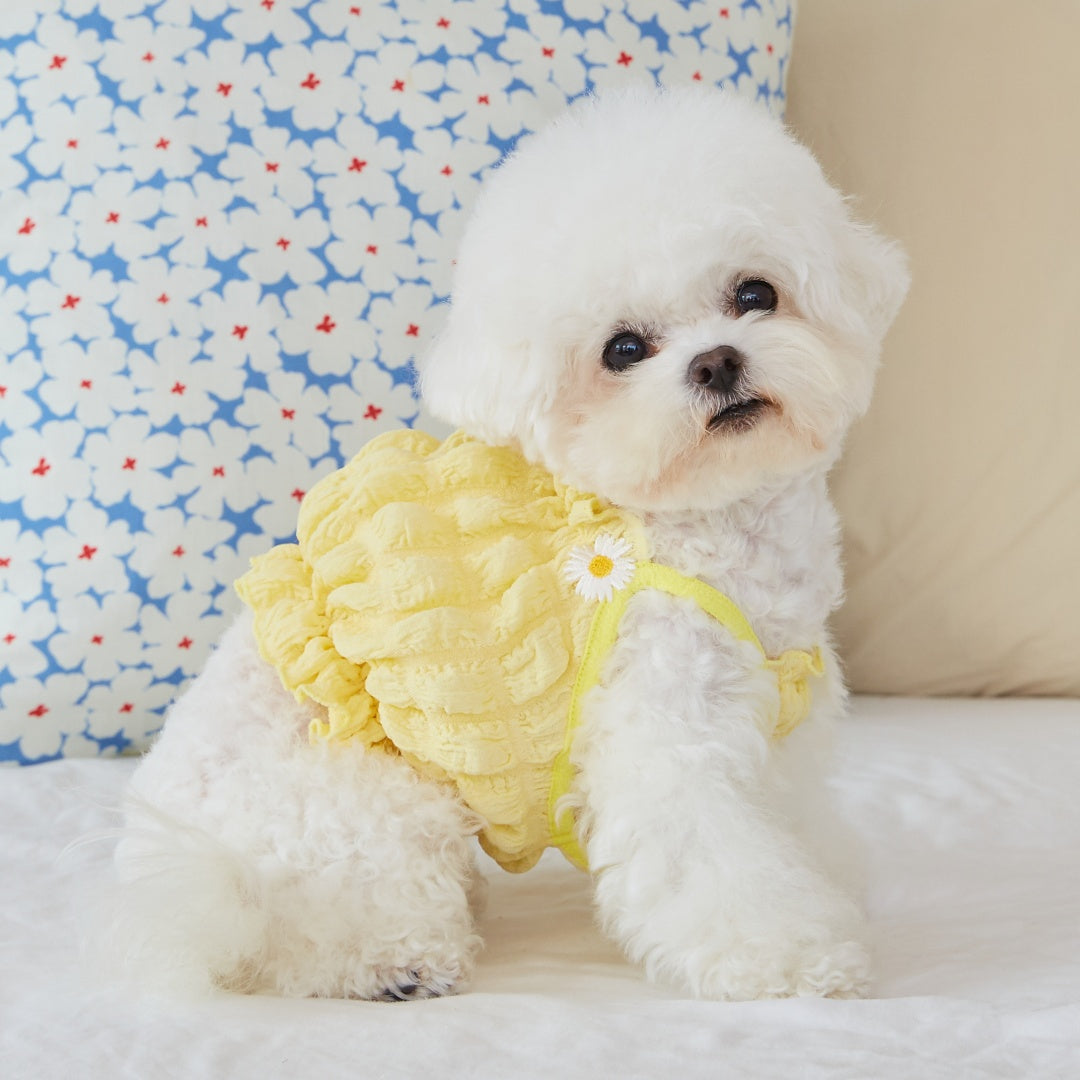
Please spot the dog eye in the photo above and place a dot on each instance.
(624, 350)
(755, 296)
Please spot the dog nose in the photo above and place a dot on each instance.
(718, 369)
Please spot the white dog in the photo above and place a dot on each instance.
(659, 300)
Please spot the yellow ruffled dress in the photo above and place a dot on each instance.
(450, 602)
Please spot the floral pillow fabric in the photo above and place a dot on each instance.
(226, 229)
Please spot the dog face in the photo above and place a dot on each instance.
(662, 300)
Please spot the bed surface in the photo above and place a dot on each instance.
(970, 813)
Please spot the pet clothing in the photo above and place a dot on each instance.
(452, 603)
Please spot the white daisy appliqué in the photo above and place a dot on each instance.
(598, 571)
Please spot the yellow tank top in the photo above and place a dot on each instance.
(452, 603)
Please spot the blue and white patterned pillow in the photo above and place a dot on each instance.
(225, 230)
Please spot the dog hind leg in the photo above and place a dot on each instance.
(253, 862)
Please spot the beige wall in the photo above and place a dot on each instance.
(956, 124)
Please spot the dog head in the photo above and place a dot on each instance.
(662, 300)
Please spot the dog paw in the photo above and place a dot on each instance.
(751, 972)
(416, 981)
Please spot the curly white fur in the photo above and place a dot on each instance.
(254, 861)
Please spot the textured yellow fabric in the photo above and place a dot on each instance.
(424, 604)
(426, 608)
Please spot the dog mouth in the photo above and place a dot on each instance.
(739, 415)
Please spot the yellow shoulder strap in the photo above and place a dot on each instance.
(792, 670)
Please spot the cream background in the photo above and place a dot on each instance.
(956, 126)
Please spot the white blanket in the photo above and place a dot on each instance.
(971, 817)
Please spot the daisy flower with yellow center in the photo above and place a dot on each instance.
(598, 571)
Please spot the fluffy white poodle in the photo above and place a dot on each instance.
(660, 303)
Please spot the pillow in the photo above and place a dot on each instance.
(960, 491)
(225, 230)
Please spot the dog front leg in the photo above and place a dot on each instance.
(699, 874)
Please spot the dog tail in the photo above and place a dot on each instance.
(186, 915)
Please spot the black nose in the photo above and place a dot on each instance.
(718, 369)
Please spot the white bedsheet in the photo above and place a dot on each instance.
(971, 816)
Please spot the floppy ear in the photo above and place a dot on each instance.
(493, 389)
(876, 277)
(856, 284)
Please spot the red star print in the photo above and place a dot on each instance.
(356, 165)
(297, 494)
(483, 99)
(148, 57)
(57, 63)
(268, 4)
(769, 49)
(177, 388)
(443, 23)
(413, 330)
(86, 384)
(5, 560)
(178, 551)
(38, 710)
(70, 301)
(326, 325)
(354, 11)
(239, 332)
(129, 463)
(97, 639)
(283, 243)
(112, 218)
(163, 298)
(446, 170)
(625, 59)
(223, 88)
(288, 414)
(26, 228)
(41, 468)
(548, 52)
(310, 82)
(372, 412)
(724, 13)
(3, 391)
(126, 707)
(87, 552)
(398, 85)
(202, 223)
(271, 166)
(73, 144)
(185, 643)
(8, 639)
(696, 76)
(162, 143)
(219, 470)
(372, 249)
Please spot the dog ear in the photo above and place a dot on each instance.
(493, 389)
(876, 277)
(855, 283)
